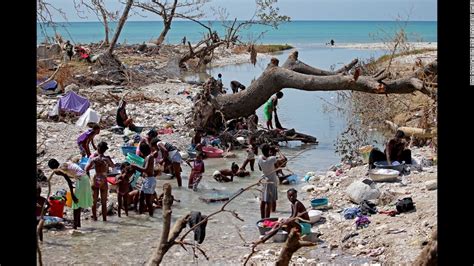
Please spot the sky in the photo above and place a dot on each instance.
(297, 9)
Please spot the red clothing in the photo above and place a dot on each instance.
(196, 173)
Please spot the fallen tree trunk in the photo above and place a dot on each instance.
(412, 131)
(275, 78)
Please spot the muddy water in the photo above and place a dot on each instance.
(131, 240)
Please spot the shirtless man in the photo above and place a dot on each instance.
(235, 86)
(101, 164)
(149, 182)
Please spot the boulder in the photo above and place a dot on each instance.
(362, 190)
(71, 87)
(431, 184)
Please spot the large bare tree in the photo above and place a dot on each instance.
(168, 10)
(265, 14)
(97, 7)
(298, 75)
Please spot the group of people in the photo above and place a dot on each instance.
(70, 50)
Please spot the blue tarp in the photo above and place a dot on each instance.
(73, 103)
(50, 85)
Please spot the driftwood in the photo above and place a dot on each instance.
(412, 131)
(167, 240)
(292, 245)
(429, 254)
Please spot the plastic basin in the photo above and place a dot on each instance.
(135, 159)
(212, 152)
(264, 230)
(384, 175)
(128, 149)
(305, 228)
(384, 165)
(318, 202)
(280, 237)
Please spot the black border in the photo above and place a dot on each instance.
(455, 102)
(455, 110)
(19, 133)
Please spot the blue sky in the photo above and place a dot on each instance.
(301, 9)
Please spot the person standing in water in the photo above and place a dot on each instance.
(101, 163)
(269, 165)
(270, 107)
(82, 194)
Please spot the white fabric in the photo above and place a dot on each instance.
(89, 116)
(55, 110)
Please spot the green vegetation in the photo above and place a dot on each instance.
(271, 48)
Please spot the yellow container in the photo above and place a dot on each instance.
(365, 152)
(68, 199)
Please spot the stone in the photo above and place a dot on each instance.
(71, 87)
(366, 189)
(75, 232)
(308, 188)
(431, 184)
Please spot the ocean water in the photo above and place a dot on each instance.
(296, 33)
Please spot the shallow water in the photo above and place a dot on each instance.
(131, 240)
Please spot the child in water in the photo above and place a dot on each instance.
(196, 172)
(227, 175)
(123, 182)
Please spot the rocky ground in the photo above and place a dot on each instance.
(387, 239)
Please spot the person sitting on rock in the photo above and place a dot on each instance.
(395, 150)
(122, 118)
(226, 175)
(235, 86)
(297, 210)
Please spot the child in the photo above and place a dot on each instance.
(196, 172)
(123, 182)
(40, 201)
(223, 174)
(86, 138)
(297, 210)
(252, 150)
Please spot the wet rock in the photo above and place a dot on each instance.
(362, 190)
(75, 232)
(431, 184)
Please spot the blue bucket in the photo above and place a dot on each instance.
(318, 202)
(128, 149)
(83, 162)
(305, 228)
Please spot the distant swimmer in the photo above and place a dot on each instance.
(332, 42)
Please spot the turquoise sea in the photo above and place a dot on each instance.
(297, 33)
